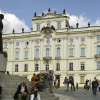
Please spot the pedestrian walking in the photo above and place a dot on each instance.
(94, 86)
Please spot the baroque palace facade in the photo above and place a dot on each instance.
(54, 45)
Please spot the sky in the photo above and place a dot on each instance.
(20, 12)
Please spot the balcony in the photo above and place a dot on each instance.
(57, 58)
(47, 58)
(36, 58)
(97, 56)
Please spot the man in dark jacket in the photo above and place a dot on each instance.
(94, 86)
(21, 92)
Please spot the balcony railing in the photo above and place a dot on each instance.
(47, 58)
(57, 58)
(97, 56)
(36, 58)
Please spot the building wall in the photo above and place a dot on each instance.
(65, 39)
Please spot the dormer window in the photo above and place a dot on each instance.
(38, 27)
(59, 25)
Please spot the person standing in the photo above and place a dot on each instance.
(94, 86)
(66, 83)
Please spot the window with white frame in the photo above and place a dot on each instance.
(36, 67)
(36, 53)
(5, 45)
(26, 54)
(17, 53)
(98, 65)
(47, 67)
(38, 27)
(82, 66)
(71, 52)
(70, 66)
(26, 68)
(98, 37)
(17, 43)
(58, 52)
(83, 52)
(57, 66)
(16, 67)
(98, 50)
(58, 25)
(47, 52)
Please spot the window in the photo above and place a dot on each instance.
(98, 65)
(82, 66)
(16, 68)
(71, 66)
(36, 67)
(71, 40)
(17, 43)
(36, 53)
(26, 43)
(98, 37)
(58, 67)
(82, 52)
(47, 67)
(17, 54)
(26, 54)
(5, 45)
(26, 68)
(47, 52)
(48, 41)
(82, 78)
(71, 50)
(58, 25)
(98, 50)
(38, 27)
(58, 52)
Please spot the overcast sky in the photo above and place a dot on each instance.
(20, 12)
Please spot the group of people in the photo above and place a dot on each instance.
(22, 92)
(68, 82)
(94, 85)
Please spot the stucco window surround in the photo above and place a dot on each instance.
(83, 50)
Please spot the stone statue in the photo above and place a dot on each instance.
(1, 28)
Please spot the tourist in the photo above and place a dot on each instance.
(66, 83)
(94, 86)
(22, 92)
(34, 94)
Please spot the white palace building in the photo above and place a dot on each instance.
(54, 45)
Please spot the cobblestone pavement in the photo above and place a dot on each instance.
(80, 94)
